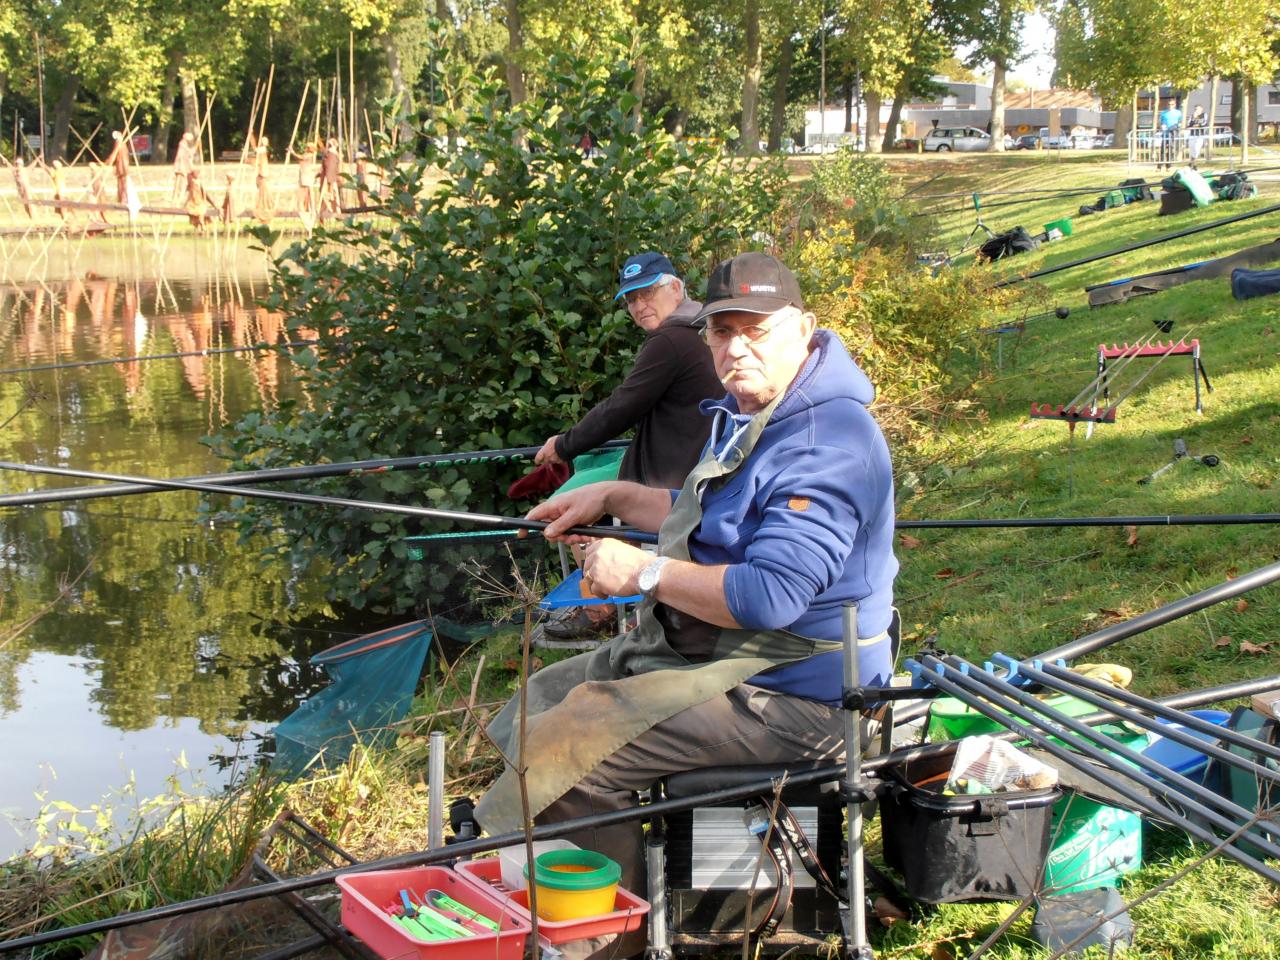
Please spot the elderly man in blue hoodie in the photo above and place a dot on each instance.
(736, 660)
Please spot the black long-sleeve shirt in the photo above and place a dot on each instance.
(672, 374)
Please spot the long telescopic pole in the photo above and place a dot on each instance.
(1146, 520)
(309, 472)
(1162, 615)
(283, 496)
(1082, 683)
(469, 848)
(1170, 731)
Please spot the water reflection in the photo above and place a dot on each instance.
(170, 638)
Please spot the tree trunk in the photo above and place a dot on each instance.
(998, 70)
(872, 98)
(637, 87)
(849, 101)
(1211, 118)
(895, 115)
(190, 104)
(678, 117)
(749, 130)
(778, 118)
(1124, 124)
(164, 116)
(400, 91)
(62, 118)
(515, 48)
(443, 13)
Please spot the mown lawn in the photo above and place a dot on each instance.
(1022, 591)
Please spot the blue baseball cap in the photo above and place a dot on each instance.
(642, 270)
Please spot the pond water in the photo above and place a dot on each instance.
(135, 642)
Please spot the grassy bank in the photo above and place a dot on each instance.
(971, 592)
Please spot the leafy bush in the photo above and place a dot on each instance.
(857, 189)
(477, 311)
(900, 322)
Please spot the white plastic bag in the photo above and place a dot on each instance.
(987, 765)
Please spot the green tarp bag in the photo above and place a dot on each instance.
(1199, 187)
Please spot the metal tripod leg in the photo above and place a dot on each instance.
(857, 947)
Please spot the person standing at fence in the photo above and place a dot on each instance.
(1197, 128)
(1170, 131)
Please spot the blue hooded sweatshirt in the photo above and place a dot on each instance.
(806, 524)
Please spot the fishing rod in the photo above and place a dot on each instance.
(992, 703)
(354, 468)
(1138, 245)
(1148, 520)
(1065, 681)
(469, 848)
(257, 493)
(357, 468)
(208, 352)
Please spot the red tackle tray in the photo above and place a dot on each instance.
(365, 895)
(628, 910)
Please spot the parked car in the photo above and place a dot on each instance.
(964, 139)
(1106, 141)
(1028, 141)
(1081, 141)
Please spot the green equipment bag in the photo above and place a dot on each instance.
(1199, 187)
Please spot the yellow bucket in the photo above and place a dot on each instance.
(573, 884)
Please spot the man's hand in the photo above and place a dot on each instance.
(577, 508)
(548, 452)
(612, 567)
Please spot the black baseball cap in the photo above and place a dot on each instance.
(642, 270)
(754, 282)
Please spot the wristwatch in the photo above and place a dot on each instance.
(648, 579)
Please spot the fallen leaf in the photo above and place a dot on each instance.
(1223, 641)
(909, 542)
(1233, 572)
(944, 573)
(943, 951)
(1133, 536)
(1247, 647)
(1113, 616)
(1245, 441)
(1242, 605)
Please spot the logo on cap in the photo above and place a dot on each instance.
(631, 270)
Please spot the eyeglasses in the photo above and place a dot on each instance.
(717, 336)
(645, 294)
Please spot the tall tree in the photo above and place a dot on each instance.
(880, 39)
(994, 28)
(749, 129)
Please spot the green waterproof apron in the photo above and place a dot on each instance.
(582, 710)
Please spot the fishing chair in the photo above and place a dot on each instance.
(703, 863)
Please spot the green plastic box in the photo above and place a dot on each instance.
(1064, 225)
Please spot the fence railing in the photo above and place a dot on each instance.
(1177, 147)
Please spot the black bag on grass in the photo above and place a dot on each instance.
(1233, 186)
(1008, 244)
(1175, 198)
(1135, 189)
(1247, 284)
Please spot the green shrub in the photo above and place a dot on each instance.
(901, 322)
(478, 312)
(856, 189)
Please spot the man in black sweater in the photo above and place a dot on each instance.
(659, 398)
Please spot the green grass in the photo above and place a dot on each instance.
(1023, 591)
